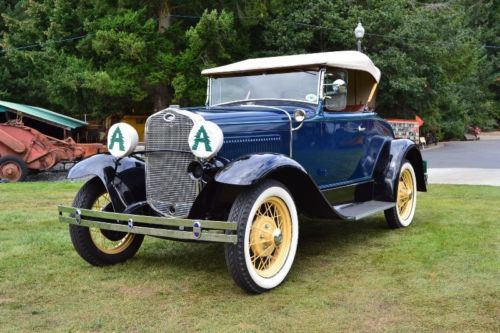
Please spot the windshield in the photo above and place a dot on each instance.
(298, 86)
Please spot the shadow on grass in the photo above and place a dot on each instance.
(317, 238)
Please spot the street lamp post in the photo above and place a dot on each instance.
(359, 32)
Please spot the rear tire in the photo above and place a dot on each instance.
(101, 247)
(267, 237)
(402, 214)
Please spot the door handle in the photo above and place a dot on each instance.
(361, 129)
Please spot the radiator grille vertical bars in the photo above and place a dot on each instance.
(169, 188)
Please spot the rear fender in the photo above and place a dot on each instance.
(124, 178)
(392, 156)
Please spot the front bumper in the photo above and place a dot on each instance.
(172, 228)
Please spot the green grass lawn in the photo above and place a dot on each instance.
(442, 274)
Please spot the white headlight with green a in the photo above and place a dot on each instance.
(205, 139)
(122, 140)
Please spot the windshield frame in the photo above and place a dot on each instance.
(319, 90)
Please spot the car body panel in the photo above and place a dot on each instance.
(333, 147)
(393, 155)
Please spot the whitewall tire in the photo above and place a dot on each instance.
(406, 198)
(268, 231)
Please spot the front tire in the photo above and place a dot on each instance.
(101, 247)
(267, 233)
(402, 214)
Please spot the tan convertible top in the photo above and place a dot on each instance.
(341, 59)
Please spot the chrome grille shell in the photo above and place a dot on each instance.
(169, 188)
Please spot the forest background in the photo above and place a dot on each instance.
(439, 60)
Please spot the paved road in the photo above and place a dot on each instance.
(465, 162)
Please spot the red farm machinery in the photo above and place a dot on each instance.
(25, 148)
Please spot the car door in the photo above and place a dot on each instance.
(332, 147)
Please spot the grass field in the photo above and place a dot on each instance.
(441, 274)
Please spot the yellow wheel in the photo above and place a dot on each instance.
(406, 198)
(270, 237)
(97, 246)
(267, 237)
(406, 191)
(110, 242)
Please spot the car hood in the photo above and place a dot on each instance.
(251, 129)
(249, 113)
(241, 115)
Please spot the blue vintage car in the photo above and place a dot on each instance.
(279, 138)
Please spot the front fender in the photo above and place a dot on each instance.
(124, 178)
(95, 166)
(393, 154)
(250, 169)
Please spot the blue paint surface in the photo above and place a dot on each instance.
(335, 148)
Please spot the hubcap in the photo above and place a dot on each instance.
(278, 236)
(108, 243)
(11, 171)
(405, 194)
(270, 237)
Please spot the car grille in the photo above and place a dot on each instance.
(169, 188)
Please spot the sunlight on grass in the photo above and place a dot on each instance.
(440, 274)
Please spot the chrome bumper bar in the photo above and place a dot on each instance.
(174, 228)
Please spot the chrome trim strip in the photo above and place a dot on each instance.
(321, 83)
(266, 99)
(209, 90)
(298, 127)
(191, 115)
(345, 183)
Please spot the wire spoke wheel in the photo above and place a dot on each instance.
(97, 246)
(110, 242)
(270, 237)
(268, 231)
(406, 198)
(405, 194)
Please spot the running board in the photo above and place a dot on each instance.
(358, 210)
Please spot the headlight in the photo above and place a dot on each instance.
(122, 139)
(205, 139)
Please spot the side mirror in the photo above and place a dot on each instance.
(341, 86)
(335, 95)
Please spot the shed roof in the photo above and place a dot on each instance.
(43, 115)
(342, 59)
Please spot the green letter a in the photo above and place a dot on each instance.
(202, 137)
(117, 137)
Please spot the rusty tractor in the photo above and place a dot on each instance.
(24, 149)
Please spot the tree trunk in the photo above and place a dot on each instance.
(161, 97)
(164, 18)
(161, 92)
